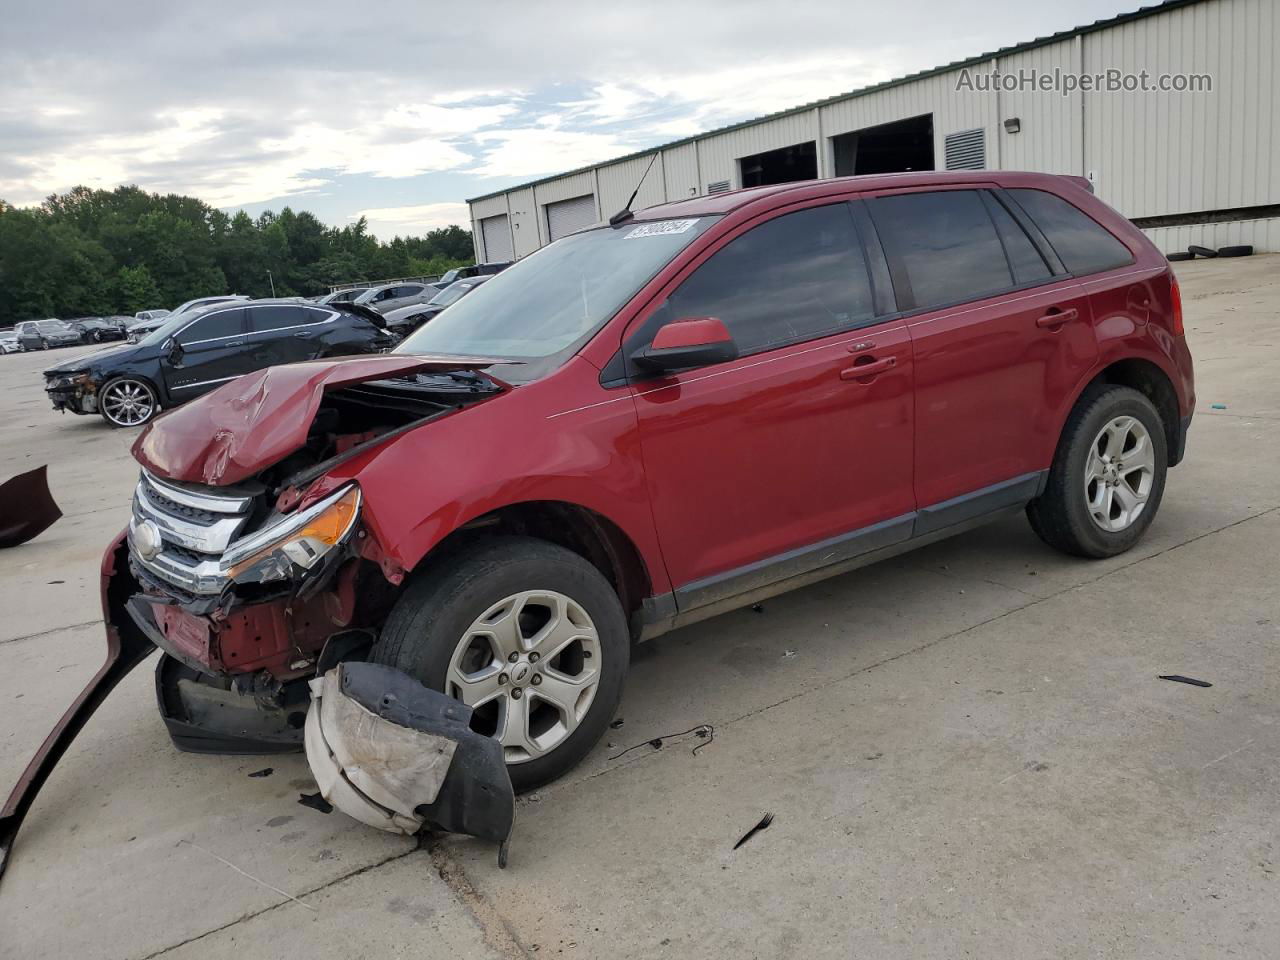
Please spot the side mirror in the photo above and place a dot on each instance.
(688, 343)
(172, 348)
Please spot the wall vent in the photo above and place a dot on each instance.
(966, 150)
(720, 186)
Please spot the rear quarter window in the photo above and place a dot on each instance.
(1083, 244)
(945, 243)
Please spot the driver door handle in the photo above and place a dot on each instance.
(861, 370)
(236, 343)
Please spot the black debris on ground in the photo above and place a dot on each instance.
(315, 802)
(762, 825)
(264, 772)
(1178, 678)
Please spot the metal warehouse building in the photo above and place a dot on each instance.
(1187, 167)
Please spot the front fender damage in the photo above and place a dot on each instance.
(395, 755)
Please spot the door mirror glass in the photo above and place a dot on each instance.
(688, 343)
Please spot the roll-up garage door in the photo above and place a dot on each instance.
(497, 239)
(566, 216)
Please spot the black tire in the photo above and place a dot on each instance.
(1241, 250)
(446, 596)
(44, 344)
(1178, 257)
(1198, 251)
(1060, 515)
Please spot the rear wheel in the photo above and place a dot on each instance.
(127, 402)
(529, 635)
(1107, 477)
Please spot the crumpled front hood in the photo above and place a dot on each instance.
(247, 425)
(94, 360)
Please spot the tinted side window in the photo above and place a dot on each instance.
(798, 276)
(945, 243)
(1084, 245)
(223, 323)
(1028, 265)
(276, 316)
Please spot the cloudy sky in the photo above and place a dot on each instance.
(400, 111)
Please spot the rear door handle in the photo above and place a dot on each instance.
(860, 370)
(236, 343)
(1056, 318)
(302, 336)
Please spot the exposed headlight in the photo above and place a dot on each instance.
(301, 540)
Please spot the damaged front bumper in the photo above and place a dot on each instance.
(126, 648)
(75, 392)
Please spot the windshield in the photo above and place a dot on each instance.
(451, 276)
(449, 294)
(550, 301)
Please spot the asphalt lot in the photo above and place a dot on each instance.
(966, 750)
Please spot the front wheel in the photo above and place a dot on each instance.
(128, 402)
(529, 635)
(1107, 477)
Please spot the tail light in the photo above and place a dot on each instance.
(1175, 302)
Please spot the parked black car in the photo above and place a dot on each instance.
(140, 328)
(475, 270)
(405, 320)
(100, 329)
(204, 348)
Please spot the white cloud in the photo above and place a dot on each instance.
(532, 151)
(414, 219)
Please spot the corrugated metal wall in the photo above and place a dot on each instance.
(1155, 154)
(1149, 154)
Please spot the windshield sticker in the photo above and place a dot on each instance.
(662, 228)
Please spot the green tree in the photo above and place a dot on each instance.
(135, 289)
(123, 250)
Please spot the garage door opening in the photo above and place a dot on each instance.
(567, 216)
(496, 234)
(799, 162)
(888, 148)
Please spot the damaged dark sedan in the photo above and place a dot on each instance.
(201, 349)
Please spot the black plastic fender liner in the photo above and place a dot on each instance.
(127, 646)
(26, 507)
(475, 796)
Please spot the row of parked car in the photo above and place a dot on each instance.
(408, 304)
(209, 341)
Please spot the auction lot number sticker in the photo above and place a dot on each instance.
(661, 228)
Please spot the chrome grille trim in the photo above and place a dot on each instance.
(203, 538)
(194, 543)
(200, 501)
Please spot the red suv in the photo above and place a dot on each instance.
(645, 424)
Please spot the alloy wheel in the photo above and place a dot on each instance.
(529, 667)
(128, 403)
(1119, 473)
